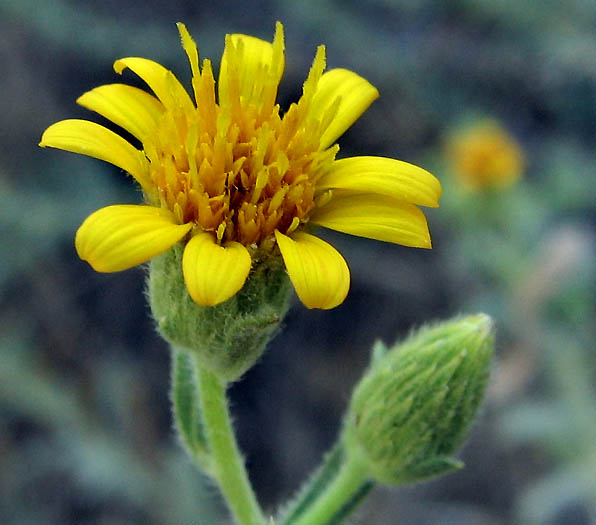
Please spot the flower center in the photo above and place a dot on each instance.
(236, 167)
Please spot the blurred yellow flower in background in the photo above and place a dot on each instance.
(233, 179)
(484, 155)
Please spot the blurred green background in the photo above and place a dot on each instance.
(85, 430)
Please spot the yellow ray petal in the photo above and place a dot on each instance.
(131, 108)
(118, 237)
(251, 67)
(390, 177)
(356, 95)
(162, 81)
(214, 273)
(318, 272)
(89, 138)
(376, 217)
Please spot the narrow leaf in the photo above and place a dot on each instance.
(186, 407)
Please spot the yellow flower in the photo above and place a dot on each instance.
(230, 177)
(484, 155)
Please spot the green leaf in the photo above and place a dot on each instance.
(186, 407)
(437, 466)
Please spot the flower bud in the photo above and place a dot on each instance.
(227, 338)
(415, 404)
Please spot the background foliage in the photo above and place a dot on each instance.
(85, 431)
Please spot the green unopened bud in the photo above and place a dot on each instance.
(415, 404)
(227, 338)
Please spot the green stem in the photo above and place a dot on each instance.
(315, 486)
(228, 465)
(340, 496)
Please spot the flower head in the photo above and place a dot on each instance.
(233, 179)
(484, 155)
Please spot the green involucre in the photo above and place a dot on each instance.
(228, 338)
(415, 404)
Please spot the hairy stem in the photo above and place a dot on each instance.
(227, 463)
(340, 496)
